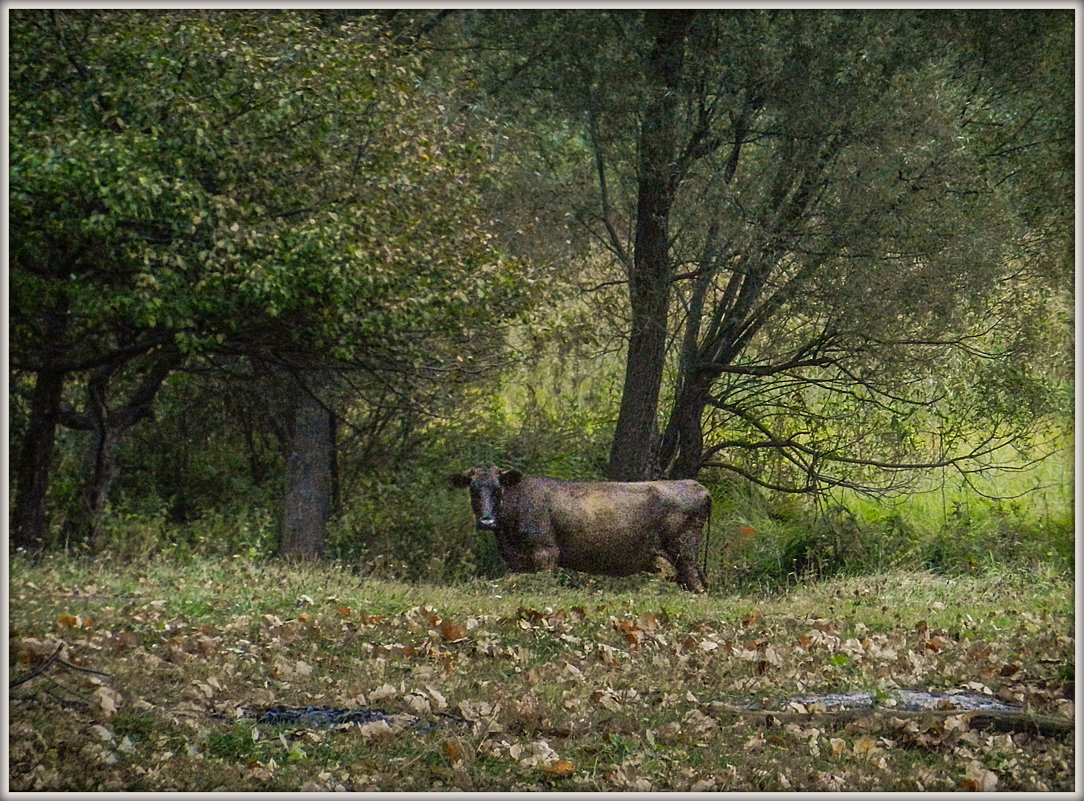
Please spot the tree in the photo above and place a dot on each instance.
(651, 273)
(830, 216)
(889, 287)
(192, 188)
(307, 504)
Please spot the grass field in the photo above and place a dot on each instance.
(528, 682)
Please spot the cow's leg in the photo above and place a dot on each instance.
(680, 543)
(511, 555)
(545, 557)
(664, 565)
(538, 548)
(685, 551)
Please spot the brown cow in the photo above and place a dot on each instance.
(615, 528)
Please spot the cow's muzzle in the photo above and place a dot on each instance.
(487, 524)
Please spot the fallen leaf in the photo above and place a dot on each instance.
(562, 767)
(606, 699)
(453, 750)
(649, 622)
(864, 746)
(33, 651)
(441, 701)
(451, 631)
(382, 692)
(700, 723)
(419, 703)
(108, 699)
(978, 778)
(375, 727)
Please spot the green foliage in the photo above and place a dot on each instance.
(224, 191)
(413, 528)
(859, 210)
(284, 205)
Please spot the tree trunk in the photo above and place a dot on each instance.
(309, 477)
(632, 451)
(33, 468)
(684, 439)
(101, 471)
(107, 429)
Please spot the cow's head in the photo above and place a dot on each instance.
(486, 484)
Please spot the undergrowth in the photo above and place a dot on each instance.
(403, 521)
(413, 526)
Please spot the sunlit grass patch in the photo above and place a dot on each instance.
(1025, 521)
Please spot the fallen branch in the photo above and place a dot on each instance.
(44, 666)
(48, 663)
(1016, 721)
(66, 663)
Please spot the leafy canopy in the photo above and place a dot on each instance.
(240, 182)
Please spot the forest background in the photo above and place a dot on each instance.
(275, 275)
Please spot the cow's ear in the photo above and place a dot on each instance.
(509, 478)
(460, 480)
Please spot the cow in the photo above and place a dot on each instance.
(612, 528)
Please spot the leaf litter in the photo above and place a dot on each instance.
(356, 689)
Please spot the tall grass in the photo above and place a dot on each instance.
(1019, 518)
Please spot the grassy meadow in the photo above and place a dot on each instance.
(150, 675)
